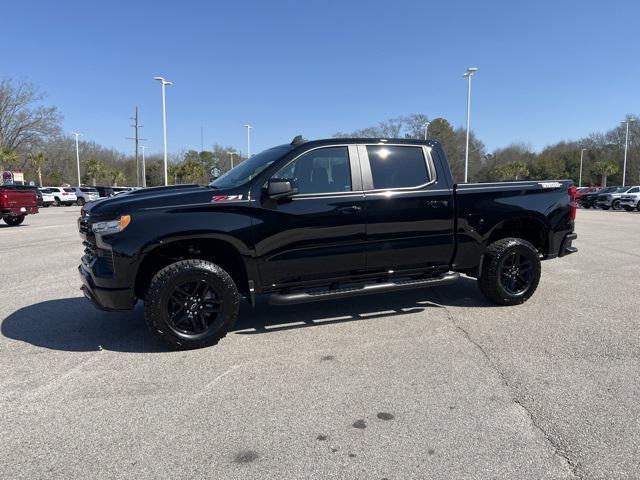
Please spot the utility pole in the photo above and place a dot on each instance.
(136, 138)
(201, 139)
(144, 174)
(77, 134)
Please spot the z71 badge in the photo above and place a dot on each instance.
(226, 198)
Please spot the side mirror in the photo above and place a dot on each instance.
(280, 188)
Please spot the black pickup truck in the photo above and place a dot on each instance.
(317, 220)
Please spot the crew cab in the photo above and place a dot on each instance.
(317, 220)
(17, 201)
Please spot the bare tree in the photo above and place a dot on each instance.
(24, 121)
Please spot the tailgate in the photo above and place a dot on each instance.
(11, 198)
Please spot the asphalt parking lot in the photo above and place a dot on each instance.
(433, 383)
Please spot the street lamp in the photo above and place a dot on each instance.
(144, 175)
(468, 74)
(77, 134)
(626, 147)
(582, 150)
(426, 130)
(248, 127)
(164, 83)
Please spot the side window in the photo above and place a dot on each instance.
(634, 190)
(397, 166)
(325, 170)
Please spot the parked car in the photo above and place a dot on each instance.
(48, 198)
(17, 201)
(104, 191)
(317, 220)
(86, 194)
(588, 200)
(609, 200)
(631, 199)
(63, 195)
(584, 190)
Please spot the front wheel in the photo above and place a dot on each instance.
(58, 202)
(510, 271)
(191, 304)
(81, 201)
(14, 221)
(616, 205)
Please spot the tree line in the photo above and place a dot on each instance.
(32, 140)
(602, 159)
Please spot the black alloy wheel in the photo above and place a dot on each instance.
(194, 307)
(516, 273)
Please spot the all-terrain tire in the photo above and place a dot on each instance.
(491, 277)
(14, 221)
(156, 309)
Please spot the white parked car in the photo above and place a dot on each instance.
(64, 195)
(86, 194)
(47, 197)
(631, 199)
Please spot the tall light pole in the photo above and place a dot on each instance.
(144, 174)
(248, 127)
(581, 157)
(426, 130)
(626, 147)
(77, 134)
(164, 83)
(468, 74)
(231, 154)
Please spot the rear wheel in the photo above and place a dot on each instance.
(58, 202)
(191, 304)
(14, 221)
(81, 201)
(616, 205)
(510, 271)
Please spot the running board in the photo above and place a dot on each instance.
(305, 297)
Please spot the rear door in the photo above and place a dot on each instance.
(317, 234)
(409, 211)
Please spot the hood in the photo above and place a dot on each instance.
(154, 197)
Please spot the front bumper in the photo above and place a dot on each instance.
(105, 298)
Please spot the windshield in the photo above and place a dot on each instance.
(250, 168)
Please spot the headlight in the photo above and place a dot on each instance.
(112, 226)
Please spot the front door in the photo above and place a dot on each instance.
(317, 234)
(408, 210)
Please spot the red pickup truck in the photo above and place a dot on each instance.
(16, 202)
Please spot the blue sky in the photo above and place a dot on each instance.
(548, 70)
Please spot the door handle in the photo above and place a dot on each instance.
(350, 209)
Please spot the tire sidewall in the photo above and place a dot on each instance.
(489, 281)
(535, 266)
(181, 272)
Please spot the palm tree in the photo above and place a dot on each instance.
(94, 169)
(604, 168)
(117, 176)
(8, 158)
(37, 161)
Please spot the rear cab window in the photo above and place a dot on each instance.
(397, 166)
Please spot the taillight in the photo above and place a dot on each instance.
(573, 196)
(65, 193)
